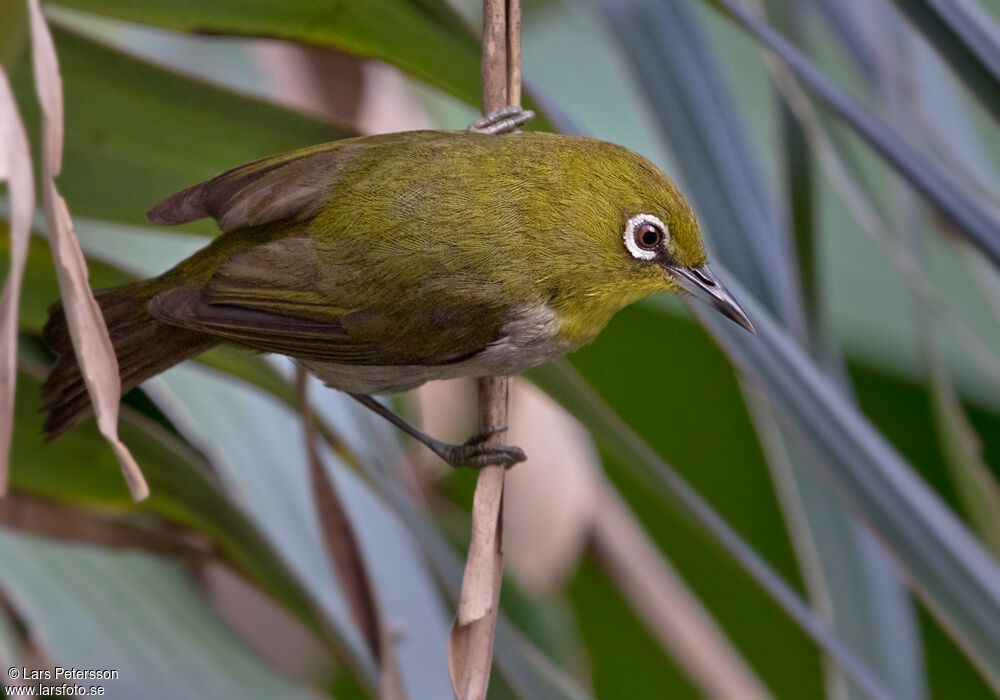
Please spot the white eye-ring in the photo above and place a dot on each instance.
(645, 235)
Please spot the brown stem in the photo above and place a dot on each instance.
(470, 646)
(513, 52)
(494, 64)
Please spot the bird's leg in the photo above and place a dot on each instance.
(472, 453)
(503, 121)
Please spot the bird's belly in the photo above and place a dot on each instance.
(530, 338)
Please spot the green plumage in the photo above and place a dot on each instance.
(391, 253)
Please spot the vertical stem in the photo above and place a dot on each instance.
(470, 646)
(494, 65)
(501, 38)
(513, 53)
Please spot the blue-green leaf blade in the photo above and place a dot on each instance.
(698, 120)
(964, 38)
(938, 186)
(946, 564)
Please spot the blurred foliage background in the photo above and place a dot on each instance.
(843, 158)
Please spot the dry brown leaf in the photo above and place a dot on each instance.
(551, 507)
(684, 628)
(15, 168)
(346, 556)
(53, 521)
(91, 342)
(485, 556)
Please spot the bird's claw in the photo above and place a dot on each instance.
(474, 453)
(503, 121)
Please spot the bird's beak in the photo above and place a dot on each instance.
(701, 282)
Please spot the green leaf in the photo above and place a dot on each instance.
(13, 31)
(966, 37)
(406, 590)
(129, 612)
(136, 134)
(420, 38)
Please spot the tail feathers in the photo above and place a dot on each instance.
(144, 347)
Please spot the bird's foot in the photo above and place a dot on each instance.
(474, 453)
(503, 121)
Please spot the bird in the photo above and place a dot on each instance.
(381, 262)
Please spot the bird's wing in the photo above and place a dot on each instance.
(290, 185)
(256, 301)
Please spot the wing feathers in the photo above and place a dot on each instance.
(291, 185)
(337, 340)
(302, 338)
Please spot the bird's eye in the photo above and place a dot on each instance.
(648, 236)
(644, 236)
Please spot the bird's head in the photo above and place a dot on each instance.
(675, 257)
(650, 234)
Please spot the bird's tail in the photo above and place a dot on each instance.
(144, 347)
